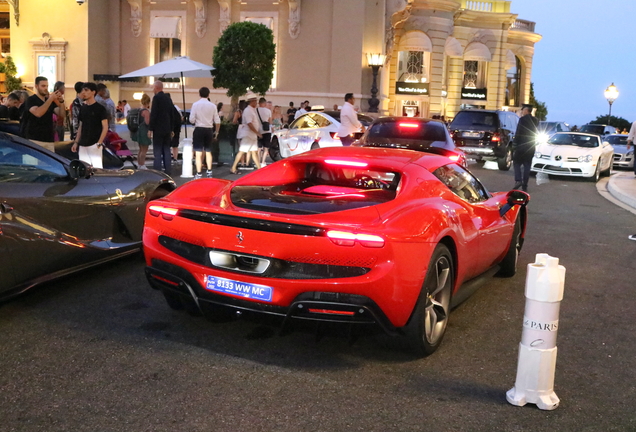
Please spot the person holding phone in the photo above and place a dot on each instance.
(39, 112)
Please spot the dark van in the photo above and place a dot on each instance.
(485, 134)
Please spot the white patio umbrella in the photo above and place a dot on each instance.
(178, 67)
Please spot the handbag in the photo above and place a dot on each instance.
(264, 124)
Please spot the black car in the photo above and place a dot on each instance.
(59, 216)
(486, 135)
(412, 133)
(598, 129)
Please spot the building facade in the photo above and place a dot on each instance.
(441, 55)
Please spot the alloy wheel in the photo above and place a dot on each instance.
(438, 301)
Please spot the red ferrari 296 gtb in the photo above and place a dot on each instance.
(353, 235)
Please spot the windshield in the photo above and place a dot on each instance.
(574, 140)
(474, 119)
(547, 126)
(616, 139)
(595, 129)
(324, 187)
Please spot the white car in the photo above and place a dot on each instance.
(310, 131)
(574, 154)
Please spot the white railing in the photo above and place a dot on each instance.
(481, 6)
(497, 6)
(523, 25)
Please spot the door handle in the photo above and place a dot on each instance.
(5, 208)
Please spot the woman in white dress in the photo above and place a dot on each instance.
(248, 133)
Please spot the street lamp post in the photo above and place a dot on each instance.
(375, 62)
(611, 94)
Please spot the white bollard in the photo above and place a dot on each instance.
(537, 351)
(186, 154)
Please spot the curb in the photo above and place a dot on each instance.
(622, 186)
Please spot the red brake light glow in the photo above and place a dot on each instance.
(454, 158)
(168, 213)
(409, 125)
(332, 312)
(495, 137)
(343, 238)
(346, 163)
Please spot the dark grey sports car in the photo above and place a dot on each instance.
(58, 216)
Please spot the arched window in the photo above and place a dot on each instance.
(513, 84)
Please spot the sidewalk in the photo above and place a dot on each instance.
(622, 186)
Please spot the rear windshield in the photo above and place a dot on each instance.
(574, 140)
(320, 188)
(403, 129)
(474, 120)
(595, 129)
(616, 139)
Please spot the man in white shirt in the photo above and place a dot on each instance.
(126, 107)
(204, 117)
(349, 122)
(264, 116)
(631, 138)
(302, 110)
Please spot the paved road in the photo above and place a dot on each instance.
(100, 351)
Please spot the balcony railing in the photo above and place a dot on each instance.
(497, 6)
(523, 25)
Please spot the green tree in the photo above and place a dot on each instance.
(542, 109)
(12, 83)
(617, 122)
(244, 59)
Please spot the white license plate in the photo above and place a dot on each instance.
(471, 134)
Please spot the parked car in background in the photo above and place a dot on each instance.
(548, 128)
(574, 154)
(485, 135)
(598, 129)
(310, 131)
(350, 235)
(412, 133)
(58, 216)
(623, 158)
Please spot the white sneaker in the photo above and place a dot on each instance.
(197, 176)
(263, 164)
(142, 167)
(208, 174)
(632, 237)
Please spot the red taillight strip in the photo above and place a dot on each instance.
(346, 163)
(168, 213)
(409, 125)
(343, 238)
(331, 312)
(165, 280)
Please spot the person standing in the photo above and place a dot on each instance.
(291, 113)
(160, 128)
(176, 130)
(524, 143)
(125, 107)
(142, 132)
(303, 109)
(349, 122)
(93, 127)
(40, 108)
(10, 102)
(207, 123)
(277, 119)
(631, 138)
(265, 129)
(111, 109)
(75, 109)
(249, 140)
(59, 121)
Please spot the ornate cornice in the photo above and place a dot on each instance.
(200, 18)
(135, 17)
(225, 14)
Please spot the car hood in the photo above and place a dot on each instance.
(621, 149)
(566, 150)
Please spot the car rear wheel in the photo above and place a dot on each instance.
(274, 150)
(508, 266)
(504, 163)
(427, 325)
(315, 145)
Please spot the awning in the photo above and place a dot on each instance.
(453, 48)
(166, 27)
(511, 60)
(477, 51)
(415, 41)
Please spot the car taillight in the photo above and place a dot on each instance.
(454, 158)
(409, 125)
(342, 238)
(495, 137)
(347, 163)
(334, 135)
(168, 213)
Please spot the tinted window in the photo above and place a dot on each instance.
(574, 140)
(404, 129)
(474, 119)
(320, 120)
(595, 129)
(616, 139)
(461, 183)
(20, 163)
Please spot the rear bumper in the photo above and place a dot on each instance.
(321, 306)
(484, 151)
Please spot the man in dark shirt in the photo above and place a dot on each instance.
(93, 126)
(11, 101)
(525, 141)
(160, 127)
(40, 109)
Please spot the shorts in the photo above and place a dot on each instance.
(91, 155)
(174, 141)
(202, 139)
(248, 144)
(265, 140)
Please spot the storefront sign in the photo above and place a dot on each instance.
(478, 94)
(408, 88)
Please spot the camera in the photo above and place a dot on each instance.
(80, 2)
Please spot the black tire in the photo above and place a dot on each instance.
(508, 265)
(173, 300)
(274, 150)
(597, 173)
(427, 325)
(504, 163)
(315, 145)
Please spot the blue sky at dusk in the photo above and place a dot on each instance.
(586, 45)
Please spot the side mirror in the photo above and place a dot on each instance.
(80, 169)
(514, 197)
